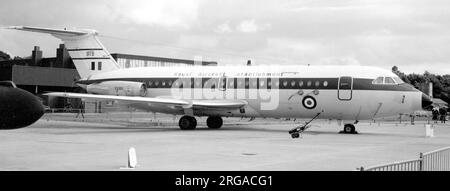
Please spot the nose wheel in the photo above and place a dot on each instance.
(187, 123)
(349, 129)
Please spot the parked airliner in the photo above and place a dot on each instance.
(349, 93)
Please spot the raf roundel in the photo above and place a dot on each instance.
(309, 102)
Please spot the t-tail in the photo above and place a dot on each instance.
(87, 52)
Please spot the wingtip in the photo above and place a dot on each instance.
(11, 27)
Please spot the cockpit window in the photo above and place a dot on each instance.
(379, 80)
(398, 80)
(389, 80)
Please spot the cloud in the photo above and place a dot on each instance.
(223, 28)
(250, 26)
(167, 13)
(383, 33)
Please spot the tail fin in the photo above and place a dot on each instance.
(87, 52)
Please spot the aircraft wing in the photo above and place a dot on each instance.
(194, 104)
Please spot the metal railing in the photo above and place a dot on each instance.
(438, 160)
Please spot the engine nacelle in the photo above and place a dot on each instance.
(120, 88)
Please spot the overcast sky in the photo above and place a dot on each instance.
(411, 34)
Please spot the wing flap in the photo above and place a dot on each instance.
(219, 104)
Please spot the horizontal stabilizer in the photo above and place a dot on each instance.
(58, 32)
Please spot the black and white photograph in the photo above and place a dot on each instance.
(224, 86)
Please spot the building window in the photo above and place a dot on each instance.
(99, 65)
(92, 65)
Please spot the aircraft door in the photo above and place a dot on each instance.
(345, 88)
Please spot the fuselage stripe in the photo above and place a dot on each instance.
(259, 83)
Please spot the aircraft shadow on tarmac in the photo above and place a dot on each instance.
(226, 128)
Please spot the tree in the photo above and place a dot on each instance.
(4, 56)
(441, 84)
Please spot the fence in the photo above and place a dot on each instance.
(438, 160)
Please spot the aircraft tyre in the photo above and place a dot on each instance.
(214, 122)
(349, 128)
(187, 123)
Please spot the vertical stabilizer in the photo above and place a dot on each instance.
(87, 52)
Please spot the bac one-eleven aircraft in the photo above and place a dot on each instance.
(348, 93)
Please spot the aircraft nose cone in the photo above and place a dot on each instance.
(426, 101)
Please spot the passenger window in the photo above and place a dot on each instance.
(277, 84)
(309, 83)
(317, 84)
(325, 83)
(239, 83)
(255, 82)
(156, 83)
(389, 80)
(261, 82)
(231, 83)
(300, 84)
(379, 80)
(292, 83)
(285, 83)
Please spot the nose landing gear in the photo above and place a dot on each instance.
(349, 129)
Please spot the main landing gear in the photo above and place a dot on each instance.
(214, 122)
(190, 123)
(187, 123)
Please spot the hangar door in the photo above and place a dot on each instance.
(345, 88)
